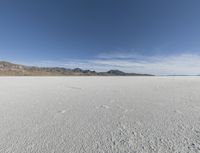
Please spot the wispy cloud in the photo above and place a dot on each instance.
(188, 64)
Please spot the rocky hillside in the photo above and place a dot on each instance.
(10, 69)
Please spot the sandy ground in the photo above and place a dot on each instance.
(99, 114)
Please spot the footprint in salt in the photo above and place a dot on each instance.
(59, 113)
(103, 106)
(178, 112)
(62, 111)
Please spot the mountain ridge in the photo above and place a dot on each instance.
(11, 69)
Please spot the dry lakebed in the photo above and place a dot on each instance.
(99, 114)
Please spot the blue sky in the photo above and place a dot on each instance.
(144, 36)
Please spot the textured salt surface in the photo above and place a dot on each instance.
(99, 114)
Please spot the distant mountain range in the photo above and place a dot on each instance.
(10, 69)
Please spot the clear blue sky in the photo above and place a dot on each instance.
(131, 35)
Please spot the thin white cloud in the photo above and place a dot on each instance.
(120, 55)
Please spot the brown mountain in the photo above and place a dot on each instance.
(10, 69)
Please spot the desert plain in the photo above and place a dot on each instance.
(99, 114)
